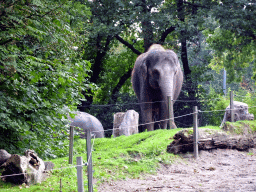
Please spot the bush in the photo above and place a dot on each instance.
(40, 74)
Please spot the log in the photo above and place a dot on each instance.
(27, 169)
(210, 139)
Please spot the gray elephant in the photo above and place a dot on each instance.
(87, 122)
(156, 75)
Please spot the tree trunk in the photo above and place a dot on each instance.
(189, 84)
(96, 68)
(147, 29)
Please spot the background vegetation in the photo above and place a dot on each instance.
(79, 54)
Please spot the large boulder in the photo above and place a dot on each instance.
(240, 113)
(126, 123)
(86, 121)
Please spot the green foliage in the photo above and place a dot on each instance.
(40, 74)
(120, 60)
(214, 105)
(217, 103)
(233, 39)
(248, 98)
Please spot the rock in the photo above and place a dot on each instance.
(86, 121)
(126, 123)
(240, 113)
(118, 118)
(48, 165)
(27, 169)
(4, 156)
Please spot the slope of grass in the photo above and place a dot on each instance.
(113, 158)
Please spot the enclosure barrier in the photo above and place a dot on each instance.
(79, 160)
(89, 147)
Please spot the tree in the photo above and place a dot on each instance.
(152, 21)
(233, 37)
(41, 74)
(176, 24)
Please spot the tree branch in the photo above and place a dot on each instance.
(165, 34)
(5, 42)
(120, 84)
(127, 44)
(195, 5)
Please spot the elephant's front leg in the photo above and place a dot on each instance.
(163, 115)
(147, 118)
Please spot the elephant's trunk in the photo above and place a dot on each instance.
(167, 90)
(166, 87)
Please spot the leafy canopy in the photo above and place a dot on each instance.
(40, 73)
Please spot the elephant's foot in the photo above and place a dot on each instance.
(173, 125)
(149, 127)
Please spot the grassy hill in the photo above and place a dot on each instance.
(113, 158)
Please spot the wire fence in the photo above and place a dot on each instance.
(181, 106)
(199, 111)
(141, 103)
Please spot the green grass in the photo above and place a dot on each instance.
(113, 159)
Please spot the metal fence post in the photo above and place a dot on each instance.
(195, 132)
(71, 144)
(80, 181)
(232, 106)
(89, 160)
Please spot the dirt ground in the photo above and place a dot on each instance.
(221, 170)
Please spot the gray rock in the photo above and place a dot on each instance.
(48, 165)
(86, 121)
(126, 123)
(240, 113)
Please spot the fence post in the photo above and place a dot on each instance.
(195, 132)
(80, 181)
(170, 113)
(89, 160)
(232, 106)
(71, 144)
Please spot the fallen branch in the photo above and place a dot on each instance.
(210, 139)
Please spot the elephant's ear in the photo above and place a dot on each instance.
(174, 56)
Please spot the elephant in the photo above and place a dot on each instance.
(156, 75)
(86, 121)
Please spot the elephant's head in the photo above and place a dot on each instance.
(163, 71)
